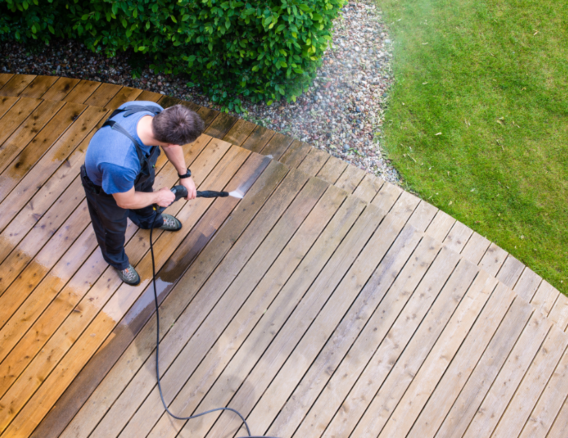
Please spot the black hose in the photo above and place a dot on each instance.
(158, 378)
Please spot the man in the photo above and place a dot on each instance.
(118, 174)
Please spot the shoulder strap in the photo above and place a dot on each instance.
(128, 111)
(117, 127)
(131, 109)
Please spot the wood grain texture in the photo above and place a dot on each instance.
(25, 418)
(558, 429)
(268, 260)
(16, 85)
(462, 388)
(534, 382)
(422, 216)
(150, 96)
(165, 177)
(297, 287)
(277, 146)
(314, 161)
(510, 272)
(368, 188)
(493, 259)
(437, 366)
(559, 312)
(6, 103)
(39, 86)
(15, 116)
(441, 226)
(40, 145)
(527, 284)
(332, 170)
(139, 314)
(350, 178)
(362, 267)
(331, 376)
(5, 78)
(549, 403)
(138, 352)
(82, 91)
(221, 125)
(126, 94)
(103, 95)
(54, 157)
(60, 89)
(545, 297)
(458, 237)
(399, 355)
(295, 154)
(258, 139)
(239, 132)
(503, 388)
(475, 248)
(22, 136)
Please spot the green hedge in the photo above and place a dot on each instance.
(263, 50)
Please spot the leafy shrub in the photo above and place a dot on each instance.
(262, 50)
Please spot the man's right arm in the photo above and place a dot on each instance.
(133, 200)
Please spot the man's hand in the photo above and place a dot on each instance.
(164, 197)
(189, 184)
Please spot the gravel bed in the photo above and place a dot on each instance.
(342, 113)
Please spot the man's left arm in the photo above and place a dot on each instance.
(176, 156)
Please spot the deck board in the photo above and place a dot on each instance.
(82, 91)
(16, 85)
(103, 95)
(239, 132)
(325, 303)
(376, 320)
(6, 102)
(54, 157)
(60, 89)
(26, 158)
(503, 388)
(340, 290)
(20, 139)
(5, 78)
(15, 116)
(221, 126)
(400, 355)
(470, 387)
(549, 403)
(39, 86)
(530, 389)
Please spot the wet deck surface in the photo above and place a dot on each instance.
(326, 303)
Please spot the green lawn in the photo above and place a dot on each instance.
(478, 119)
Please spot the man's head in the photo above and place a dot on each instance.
(177, 125)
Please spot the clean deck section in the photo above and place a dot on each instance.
(326, 303)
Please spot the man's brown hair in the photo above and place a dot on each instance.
(177, 125)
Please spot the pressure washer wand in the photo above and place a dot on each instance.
(181, 192)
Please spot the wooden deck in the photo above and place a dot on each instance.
(326, 303)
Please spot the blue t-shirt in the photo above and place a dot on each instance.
(111, 160)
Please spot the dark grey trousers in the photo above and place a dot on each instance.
(110, 221)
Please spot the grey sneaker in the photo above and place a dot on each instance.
(129, 275)
(170, 223)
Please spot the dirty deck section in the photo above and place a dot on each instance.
(325, 303)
